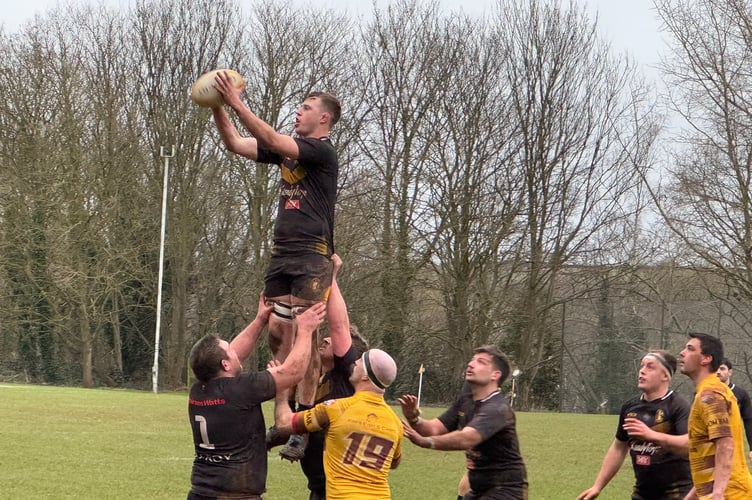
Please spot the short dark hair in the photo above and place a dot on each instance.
(499, 359)
(710, 346)
(727, 363)
(329, 103)
(206, 358)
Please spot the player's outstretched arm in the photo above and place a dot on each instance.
(336, 314)
(456, 440)
(292, 370)
(282, 413)
(288, 422)
(243, 146)
(611, 464)
(245, 342)
(258, 128)
(411, 411)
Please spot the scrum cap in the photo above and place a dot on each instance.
(379, 367)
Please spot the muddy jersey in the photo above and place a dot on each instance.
(715, 414)
(363, 439)
(229, 435)
(496, 461)
(307, 193)
(659, 474)
(334, 384)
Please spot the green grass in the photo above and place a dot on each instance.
(66, 443)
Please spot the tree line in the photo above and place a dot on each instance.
(493, 171)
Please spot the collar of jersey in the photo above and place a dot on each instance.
(670, 392)
(494, 393)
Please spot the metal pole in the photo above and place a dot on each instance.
(155, 367)
(515, 375)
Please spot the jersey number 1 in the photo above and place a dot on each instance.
(202, 427)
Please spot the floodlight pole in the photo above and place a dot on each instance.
(515, 375)
(155, 368)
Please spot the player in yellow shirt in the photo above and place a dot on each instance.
(363, 434)
(716, 433)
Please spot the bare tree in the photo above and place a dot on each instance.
(25, 114)
(473, 197)
(177, 41)
(585, 134)
(706, 200)
(406, 55)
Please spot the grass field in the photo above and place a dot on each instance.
(66, 443)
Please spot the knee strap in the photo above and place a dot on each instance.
(299, 309)
(283, 311)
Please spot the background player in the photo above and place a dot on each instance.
(725, 371)
(716, 432)
(338, 354)
(653, 430)
(482, 423)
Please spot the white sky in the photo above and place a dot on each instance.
(631, 26)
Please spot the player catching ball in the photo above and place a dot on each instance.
(300, 269)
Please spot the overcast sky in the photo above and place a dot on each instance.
(630, 25)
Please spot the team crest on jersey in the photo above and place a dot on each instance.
(292, 172)
(659, 416)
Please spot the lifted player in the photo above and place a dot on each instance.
(299, 273)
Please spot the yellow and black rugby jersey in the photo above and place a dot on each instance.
(715, 414)
(658, 472)
(307, 194)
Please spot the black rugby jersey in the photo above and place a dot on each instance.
(495, 461)
(229, 435)
(745, 407)
(659, 474)
(307, 194)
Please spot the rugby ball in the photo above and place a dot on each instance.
(205, 95)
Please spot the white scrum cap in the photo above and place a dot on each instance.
(380, 367)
